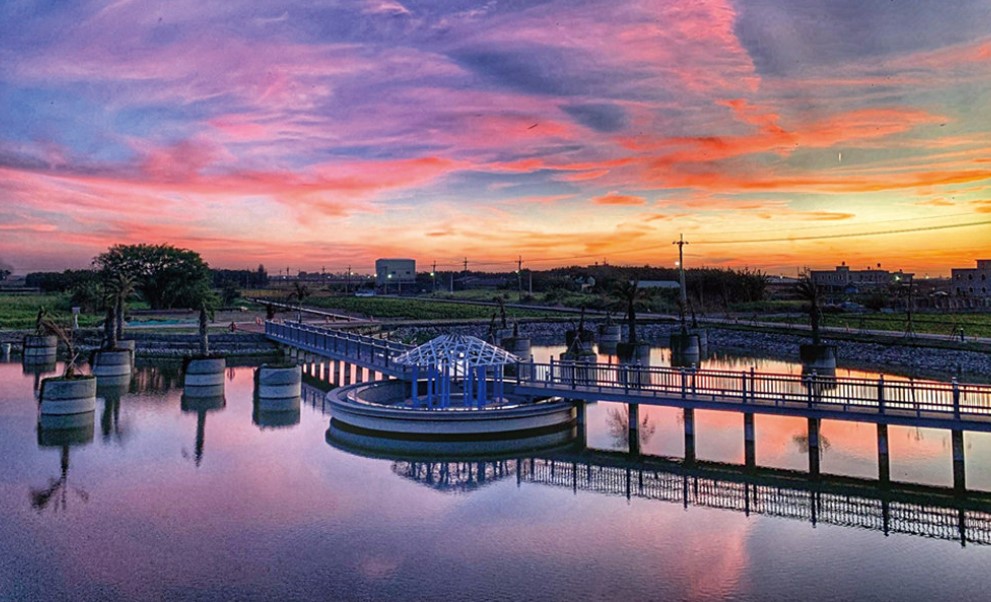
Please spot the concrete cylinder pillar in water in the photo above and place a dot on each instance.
(204, 377)
(6, 351)
(689, 418)
(129, 345)
(60, 396)
(959, 470)
(279, 387)
(685, 350)
(749, 442)
(115, 363)
(39, 349)
(813, 439)
(883, 462)
(609, 335)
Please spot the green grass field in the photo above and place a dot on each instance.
(416, 309)
(19, 312)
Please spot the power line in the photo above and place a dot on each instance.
(846, 235)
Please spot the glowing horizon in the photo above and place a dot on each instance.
(772, 134)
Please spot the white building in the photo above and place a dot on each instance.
(395, 271)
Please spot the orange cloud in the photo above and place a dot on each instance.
(614, 198)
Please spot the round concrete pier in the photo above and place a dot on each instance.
(384, 407)
(278, 382)
(39, 349)
(204, 377)
(116, 362)
(369, 444)
(60, 396)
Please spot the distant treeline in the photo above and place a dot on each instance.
(71, 280)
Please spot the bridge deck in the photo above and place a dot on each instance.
(931, 404)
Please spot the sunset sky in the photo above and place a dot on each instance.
(772, 133)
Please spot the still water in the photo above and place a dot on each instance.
(166, 500)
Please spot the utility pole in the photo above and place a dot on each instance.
(519, 278)
(347, 282)
(433, 275)
(681, 276)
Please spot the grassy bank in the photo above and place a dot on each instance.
(948, 324)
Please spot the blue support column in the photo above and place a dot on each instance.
(446, 388)
(415, 393)
(430, 388)
(482, 385)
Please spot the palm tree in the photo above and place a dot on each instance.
(300, 291)
(118, 286)
(629, 293)
(809, 292)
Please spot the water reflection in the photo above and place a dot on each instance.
(201, 406)
(63, 432)
(618, 421)
(111, 389)
(871, 504)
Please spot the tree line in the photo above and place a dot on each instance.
(165, 277)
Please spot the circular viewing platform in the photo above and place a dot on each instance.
(389, 407)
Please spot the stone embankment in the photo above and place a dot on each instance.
(904, 359)
(161, 345)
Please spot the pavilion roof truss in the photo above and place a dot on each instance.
(456, 350)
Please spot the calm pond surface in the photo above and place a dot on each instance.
(161, 499)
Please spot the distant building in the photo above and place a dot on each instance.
(845, 280)
(973, 283)
(398, 271)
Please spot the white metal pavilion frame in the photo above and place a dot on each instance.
(452, 357)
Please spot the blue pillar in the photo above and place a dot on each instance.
(430, 387)
(482, 374)
(470, 380)
(445, 385)
(415, 393)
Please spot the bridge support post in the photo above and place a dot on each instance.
(337, 372)
(883, 460)
(813, 439)
(347, 374)
(749, 441)
(581, 419)
(959, 472)
(359, 374)
(633, 433)
(689, 419)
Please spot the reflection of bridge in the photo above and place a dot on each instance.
(848, 502)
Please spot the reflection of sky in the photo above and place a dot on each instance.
(277, 513)
(552, 129)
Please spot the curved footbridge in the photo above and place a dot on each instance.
(951, 405)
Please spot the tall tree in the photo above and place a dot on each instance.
(166, 276)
